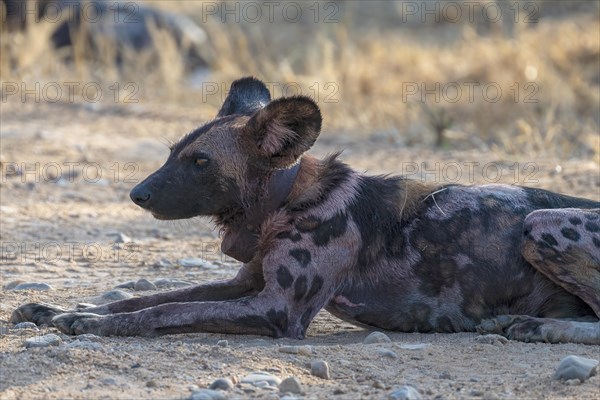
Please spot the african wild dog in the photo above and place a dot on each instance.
(380, 252)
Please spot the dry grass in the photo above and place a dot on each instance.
(367, 67)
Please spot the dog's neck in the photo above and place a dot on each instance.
(241, 241)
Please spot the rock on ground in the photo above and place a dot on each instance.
(405, 393)
(221, 384)
(32, 286)
(575, 367)
(43, 341)
(207, 394)
(255, 378)
(144, 284)
(320, 369)
(377, 337)
(291, 385)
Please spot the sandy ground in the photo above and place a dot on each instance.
(59, 231)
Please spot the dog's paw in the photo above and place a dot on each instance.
(514, 327)
(39, 314)
(78, 323)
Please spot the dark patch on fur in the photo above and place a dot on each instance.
(591, 227)
(294, 237)
(329, 229)
(284, 278)
(421, 313)
(575, 220)
(549, 239)
(306, 317)
(252, 321)
(435, 277)
(570, 234)
(540, 198)
(279, 319)
(444, 324)
(375, 212)
(315, 287)
(596, 242)
(300, 287)
(302, 256)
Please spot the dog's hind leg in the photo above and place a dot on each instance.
(564, 245)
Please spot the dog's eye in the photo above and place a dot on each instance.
(201, 162)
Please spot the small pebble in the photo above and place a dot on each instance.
(387, 353)
(26, 325)
(144, 284)
(196, 262)
(126, 285)
(207, 394)
(260, 376)
(377, 337)
(43, 341)
(305, 350)
(32, 286)
(223, 343)
(12, 285)
(445, 375)
(575, 367)
(88, 337)
(291, 385)
(289, 349)
(221, 384)
(109, 297)
(108, 381)
(415, 346)
(320, 369)
(405, 393)
(122, 238)
(378, 385)
(163, 263)
(77, 344)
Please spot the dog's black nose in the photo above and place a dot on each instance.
(139, 195)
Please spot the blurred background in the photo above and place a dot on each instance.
(521, 77)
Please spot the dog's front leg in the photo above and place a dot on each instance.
(249, 281)
(298, 283)
(255, 315)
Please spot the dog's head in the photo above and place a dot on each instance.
(222, 165)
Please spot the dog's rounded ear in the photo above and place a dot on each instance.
(283, 130)
(246, 96)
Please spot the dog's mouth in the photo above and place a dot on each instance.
(161, 217)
